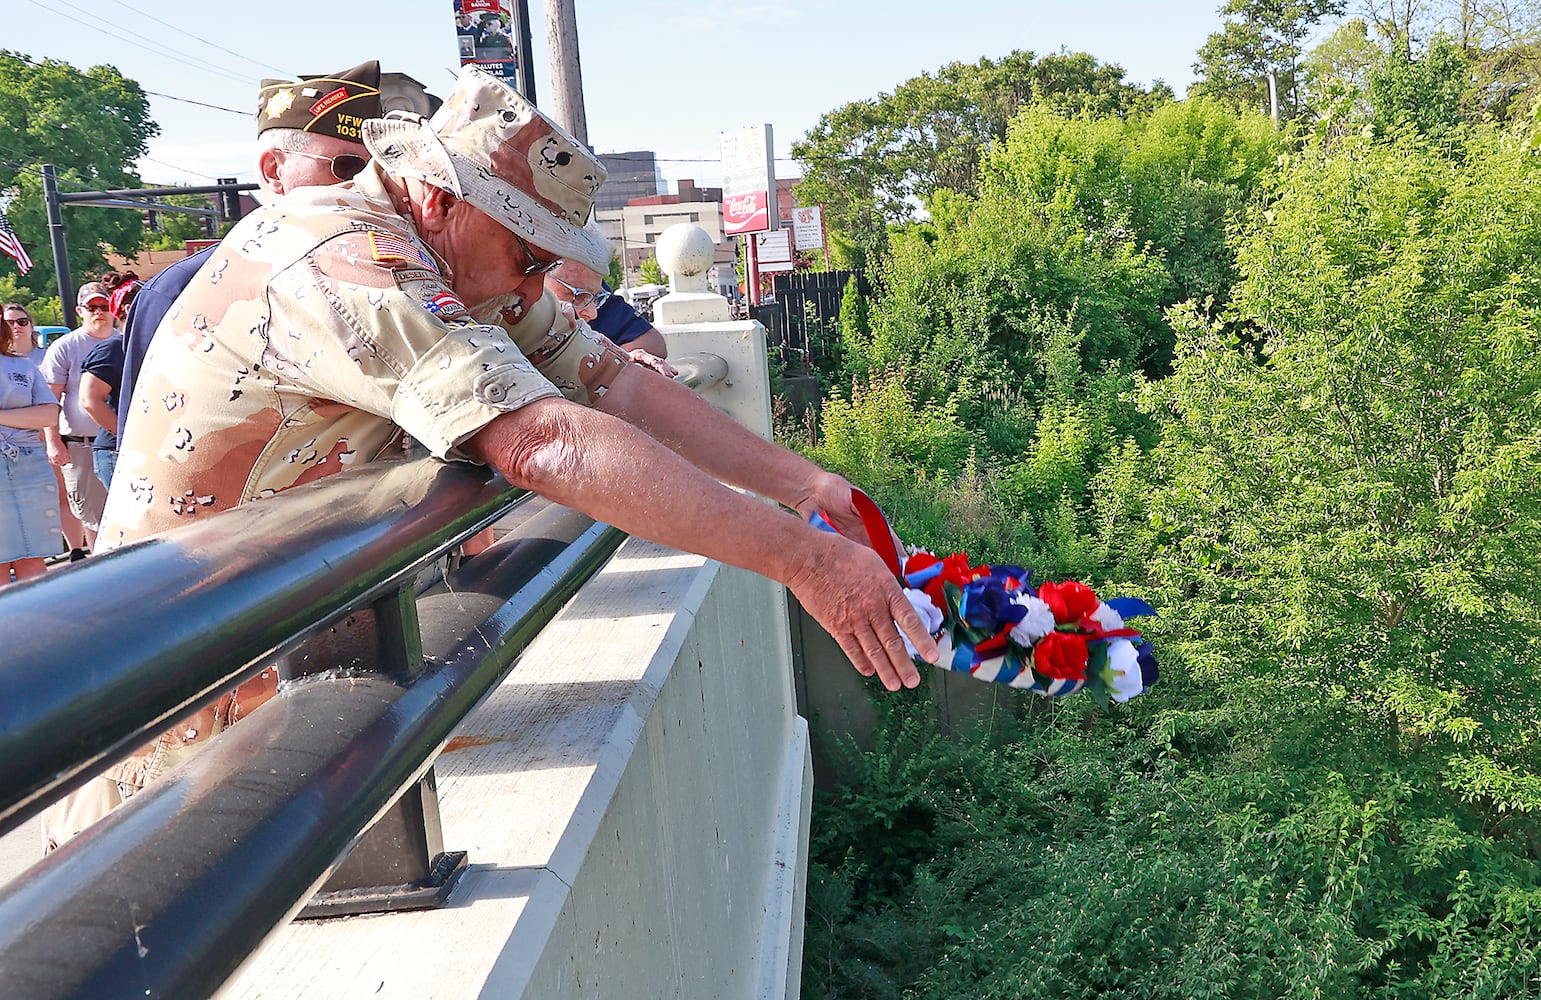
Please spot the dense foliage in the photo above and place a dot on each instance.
(1286, 386)
(92, 126)
(870, 162)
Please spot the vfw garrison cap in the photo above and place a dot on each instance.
(327, 105)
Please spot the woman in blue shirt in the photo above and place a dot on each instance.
(29, 500)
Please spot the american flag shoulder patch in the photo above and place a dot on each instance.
(445, 305)
(386, 247)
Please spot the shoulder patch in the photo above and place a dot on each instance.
(387, 248)
(445, 305)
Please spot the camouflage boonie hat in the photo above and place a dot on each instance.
(494, 149)
(326, 105)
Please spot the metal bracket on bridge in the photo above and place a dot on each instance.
(399, 863)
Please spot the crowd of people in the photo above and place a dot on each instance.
(59, 468)
(432, 282)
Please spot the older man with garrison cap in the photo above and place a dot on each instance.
(332, 321)
(307, 135)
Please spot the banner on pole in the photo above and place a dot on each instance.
(748, 181)
(488, 33)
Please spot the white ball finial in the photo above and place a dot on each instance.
(686, 253)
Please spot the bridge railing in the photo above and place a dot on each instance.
(698, 782)
(170, 893)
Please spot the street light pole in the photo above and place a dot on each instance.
(56, 238)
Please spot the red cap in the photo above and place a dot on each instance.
(121, 297)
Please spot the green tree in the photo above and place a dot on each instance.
(174, 229)
(617, 276)
(652, 272)
(1335, 75)
(1262, 40)
(1425, 93)
(92, 126)
(1362, 511)
(872, 163)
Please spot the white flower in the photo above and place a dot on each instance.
(1108, 619)
(930, 615)
(1038, 622)
(1125, 669)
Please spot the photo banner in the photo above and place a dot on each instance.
(490, 36)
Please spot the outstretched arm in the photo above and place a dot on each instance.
(592, 462)
(727, 451)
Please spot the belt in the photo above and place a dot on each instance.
(76, 438)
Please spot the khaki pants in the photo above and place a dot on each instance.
(86, 493)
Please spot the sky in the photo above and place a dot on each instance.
(670, 77)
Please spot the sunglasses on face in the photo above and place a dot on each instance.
(536, 265)
(95, 308)
(345, 166)
(23, 321)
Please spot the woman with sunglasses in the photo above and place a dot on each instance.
(29, 500)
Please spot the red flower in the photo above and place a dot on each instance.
(1061, 656)
(1070, 602)
(993, 645)
(956, 569)
(918, 562)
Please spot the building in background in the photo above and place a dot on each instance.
(633, 174)
(634, 228)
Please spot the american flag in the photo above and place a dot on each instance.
(11, 246)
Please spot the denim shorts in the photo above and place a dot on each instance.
(29, 507)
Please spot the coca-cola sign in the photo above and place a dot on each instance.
(745, 213)
(748, 180)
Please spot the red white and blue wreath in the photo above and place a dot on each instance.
(1053, 640)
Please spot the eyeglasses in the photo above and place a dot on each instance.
(583, 298)
(536, 265)
(345, 166)
(95, 308)
(24, 321)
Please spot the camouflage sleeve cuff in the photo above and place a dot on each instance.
(432, 402)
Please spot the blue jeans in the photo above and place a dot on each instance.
(105, 463)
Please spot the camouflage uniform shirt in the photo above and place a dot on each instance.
(319, 331)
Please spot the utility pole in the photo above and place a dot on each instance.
(566, 73)
(1273, 95)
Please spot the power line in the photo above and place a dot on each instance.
(140, 13)
(207, 68)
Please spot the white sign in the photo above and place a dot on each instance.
(808, 227)
(748, 181)
(773, 250)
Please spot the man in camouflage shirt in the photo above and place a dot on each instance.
(334, 320)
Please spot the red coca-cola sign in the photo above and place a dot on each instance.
(746, 213)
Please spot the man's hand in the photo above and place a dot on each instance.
(850, 592)
(654, 362)
(831, 494)
(58, 452)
